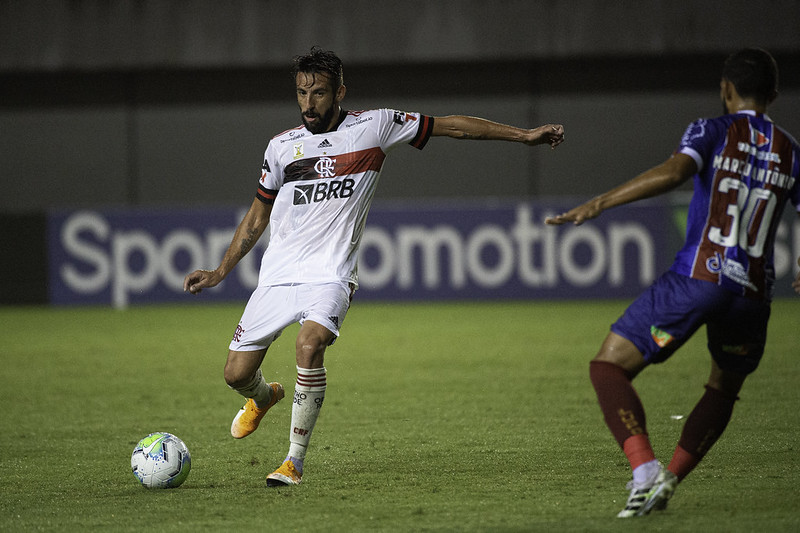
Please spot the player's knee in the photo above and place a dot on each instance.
(310, 352)
(727, 383)
(236, 376)
(309, 349)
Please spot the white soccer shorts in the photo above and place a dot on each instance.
(271, 309)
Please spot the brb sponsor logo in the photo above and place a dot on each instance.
(320, 191)
(323, 190)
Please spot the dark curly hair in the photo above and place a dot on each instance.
(754, 73)
(320, 61)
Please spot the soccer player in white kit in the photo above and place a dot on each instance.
(316, 186)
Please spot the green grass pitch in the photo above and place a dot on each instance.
(438, 417)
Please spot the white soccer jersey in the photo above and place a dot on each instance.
(321, 187)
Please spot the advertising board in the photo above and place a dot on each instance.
(409, 252)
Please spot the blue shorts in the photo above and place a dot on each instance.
(667, 314)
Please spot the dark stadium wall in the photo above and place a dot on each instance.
(197, 137)
(24, 259)
(140, 103)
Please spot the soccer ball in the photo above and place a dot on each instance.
(161, 461)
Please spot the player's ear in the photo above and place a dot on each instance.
(727, 91)
(340, 92)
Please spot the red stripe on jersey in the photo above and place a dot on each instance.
(359, 162)
(315, 168)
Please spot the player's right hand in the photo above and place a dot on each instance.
(577, 215)
(199, 280)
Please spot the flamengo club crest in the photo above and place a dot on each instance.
(325, 167)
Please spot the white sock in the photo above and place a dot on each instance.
(646, 473)
(309, 393)
(257, 389)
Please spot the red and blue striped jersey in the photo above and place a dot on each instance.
(748, 168)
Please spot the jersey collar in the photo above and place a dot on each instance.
(342, 116)
(754, 114)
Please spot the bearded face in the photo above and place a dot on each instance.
(318, 101)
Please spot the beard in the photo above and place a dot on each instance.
(323, 122)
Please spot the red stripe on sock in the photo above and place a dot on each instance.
(315, 380)
(682, 463)
(307, 383)
(638, 450)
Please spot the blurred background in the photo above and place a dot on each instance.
(169, 103)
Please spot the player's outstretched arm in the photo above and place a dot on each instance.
(463, 127)
(247, 234)
(658, 180)
(796, 282)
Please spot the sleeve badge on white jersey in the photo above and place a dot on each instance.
(400, 117)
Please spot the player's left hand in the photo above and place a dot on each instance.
(796, 282)
(552, 134)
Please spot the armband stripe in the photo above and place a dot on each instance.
(423, 132)
(266, 195)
